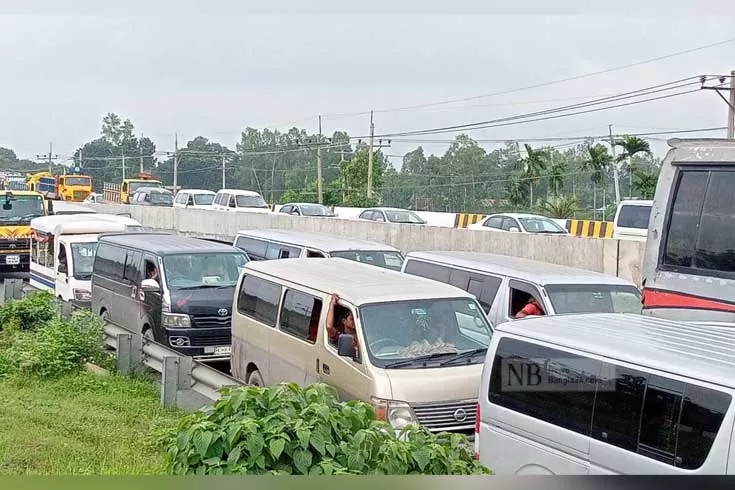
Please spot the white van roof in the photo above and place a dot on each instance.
(533, 271)
(70, 207)
(636, 202)
(355, 282)
(703, 352)
(239, 192)
(82, 224)
(318, 241)
(196, 191)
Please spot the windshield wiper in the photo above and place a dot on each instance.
(469, 354)
(207, 286)
(408, 362)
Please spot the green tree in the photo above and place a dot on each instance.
(556, 175)
(560, 207)
(644, 182)
(632, 146)
(200, 165)
(597, 163)
(534, 164)
(354, 178)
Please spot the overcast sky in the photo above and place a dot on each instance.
(213, 75)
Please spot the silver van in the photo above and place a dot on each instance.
(416, 355)
(598, 394)
(504, 284)
(284, 244)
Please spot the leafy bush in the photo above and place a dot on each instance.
(29, 313)
(53, 346)
(289, 430)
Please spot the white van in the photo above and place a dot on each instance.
(604, 394)
(419, 348)
(240, 201)
(284, 244)
(505, 284)
(194, 198)
(63, 250)
(631, 220)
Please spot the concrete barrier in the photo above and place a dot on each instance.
(621, 258)
(588, 228)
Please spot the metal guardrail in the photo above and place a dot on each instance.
(185, 382)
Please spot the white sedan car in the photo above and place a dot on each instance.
(520, 223)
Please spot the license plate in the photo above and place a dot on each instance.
(12, 259)
(218, 351)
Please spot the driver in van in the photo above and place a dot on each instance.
(151, 271)
(532, 308)
(340, 323)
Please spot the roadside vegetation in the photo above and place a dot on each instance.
(58, 417)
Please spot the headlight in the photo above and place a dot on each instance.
(82, 295)
(397, 413)
(175, 320)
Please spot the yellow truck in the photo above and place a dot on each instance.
(17, 210)
(121, 193)
(68, 187)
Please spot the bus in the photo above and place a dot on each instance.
(17, 211)
(689, 260)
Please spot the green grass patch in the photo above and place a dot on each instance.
(81, 423)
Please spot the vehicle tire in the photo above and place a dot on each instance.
(104, 317)
(255, 379)
(148, 334)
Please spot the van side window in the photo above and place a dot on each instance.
(459, 279)
(700, 231)
(277, 251)
(300, 315)
(132, 267)
(110, 261)
(259, 300)
(484, 288)
(520, 294)
(256, 249)
(663, 419)
(315, 254)
(429, 271)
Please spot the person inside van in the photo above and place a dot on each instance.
(532, 308)
(63, 268)
(340, 321)
(151, 271)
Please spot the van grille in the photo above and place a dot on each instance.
(439, 417)
(212, 321)
(212, 340)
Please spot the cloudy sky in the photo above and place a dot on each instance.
(214, 72)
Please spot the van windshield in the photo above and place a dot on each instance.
(250, 202)
(594, 298)
(425, 333)
(134, 186)
(634, 217)
(202, 270)
(203, 199)
(82, 260)
(386, 260)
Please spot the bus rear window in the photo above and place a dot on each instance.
(634, 217)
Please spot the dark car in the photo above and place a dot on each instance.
(307, 209)
(152, 196)
(173, 289)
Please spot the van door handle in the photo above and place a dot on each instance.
(325, 369)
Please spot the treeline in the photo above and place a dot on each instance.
(282, 166)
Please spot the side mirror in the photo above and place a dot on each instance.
(7, 206)
(295, 212)
(150, 286)
(346, 346)
(514, 229)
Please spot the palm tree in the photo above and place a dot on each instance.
(533, 165)
(516, 189)
(631, 145)
(556, 175)
(598, 162)
(561, 207)
(645, 183)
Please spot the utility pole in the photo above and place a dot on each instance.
(370, 158)
(224, 181)
(616, 172)
(731, 108)
(176, 160)
(123, 163)
(730, 100)
(140, 147)
(319, 178)
(49, 158)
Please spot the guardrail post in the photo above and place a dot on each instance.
(170, 380)
(124, 353)
(185, 366)
(136, 352)
(66, 309)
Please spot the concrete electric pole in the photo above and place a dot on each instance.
(370, 158)
(176, 161)
(730, 100)
(49, 158)
(319, 176)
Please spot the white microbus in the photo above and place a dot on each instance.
(63, 250)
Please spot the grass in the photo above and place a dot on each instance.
(81, 424)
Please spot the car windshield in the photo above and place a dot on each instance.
(250, 202)
(594, 298)
(22, 209)
(387, 260)
(632, 216)
(76, 181)
(134, 186)
(82, 260)
(201, 270)
(425, 333)
(403, 217)
(541, 225)
(161, 198)
(315, 210)
(203, 199)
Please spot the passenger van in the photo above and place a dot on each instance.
(63, 249)
(69, 208)
(419, 348)
(504, 284)
(284, 244)
(240, 201)
(600, 394)
(172, 289)
(631, 220)
(194, 198)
